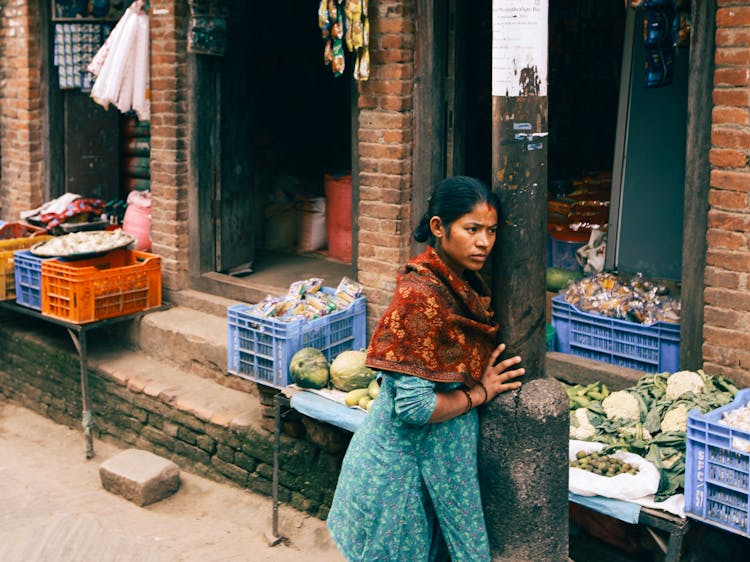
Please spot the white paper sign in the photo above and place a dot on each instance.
(519, 47)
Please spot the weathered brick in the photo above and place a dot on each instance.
(727, 298)
(735, 16)
(195, 454)
(731, 339)
(259, 484)
(738, 180)
(720, 278)
(728, 158)
(233, 472)
(154, 436)
(731, 76)
(734, 37)
(721, 317)
(730, 138)
(726, 240)
(728, 221)
(206, 443)
(733, 261)
(727, 200)
(187, 436)
(243, 461)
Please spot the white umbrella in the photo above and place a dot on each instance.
(121, 66)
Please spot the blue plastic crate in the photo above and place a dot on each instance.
(562, 254)
(28, 273)
(260, 349)
(717, 469)
(654, 348)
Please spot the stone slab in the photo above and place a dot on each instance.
(140, 476)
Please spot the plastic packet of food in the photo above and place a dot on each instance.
(299, 289)
(323, 17)
(364, 64)
(348, 290)
(338, 63)
(328, 53)
(333, 11)
(265, 308)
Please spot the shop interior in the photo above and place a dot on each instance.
(301, 148)
(614, 152)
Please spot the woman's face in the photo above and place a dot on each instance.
(469, 240)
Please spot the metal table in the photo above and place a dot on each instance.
(316, 407)
(78, 333)
(652, 520)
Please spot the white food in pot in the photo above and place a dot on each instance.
(84, 243)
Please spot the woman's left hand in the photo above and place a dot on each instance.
(500, 377)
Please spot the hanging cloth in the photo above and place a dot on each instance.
(121, 66)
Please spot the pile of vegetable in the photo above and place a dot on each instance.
(603, 465)
(648, 419)
(348, 373)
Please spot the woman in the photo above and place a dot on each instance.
(408, 488)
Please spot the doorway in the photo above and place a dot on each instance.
(269, 121)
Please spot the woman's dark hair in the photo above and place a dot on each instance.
(451, 199)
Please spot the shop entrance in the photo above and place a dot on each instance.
(270, 125)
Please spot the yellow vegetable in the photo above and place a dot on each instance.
(353, 396)
(373, 389)
(364, 402)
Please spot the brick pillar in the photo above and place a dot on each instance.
(385, 151)
(20, 109)
(726, 340)
(169, 142)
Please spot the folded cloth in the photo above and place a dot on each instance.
(91, 206)
(57, 205)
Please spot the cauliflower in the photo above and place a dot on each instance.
(676, 418)
(580, 425)
(684, 381)
(621, 404)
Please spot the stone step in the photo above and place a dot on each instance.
(178, 389)
(193, 340)
(201, 302)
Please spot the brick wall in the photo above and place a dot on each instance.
(20, 109)
(726, 331)
(40, 371)
(385, 151)
(169, 142)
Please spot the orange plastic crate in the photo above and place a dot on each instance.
(117, 283)
(19, 230)
(7, 268)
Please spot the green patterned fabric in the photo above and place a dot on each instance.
(408, 490)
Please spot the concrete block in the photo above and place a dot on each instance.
(140, 476)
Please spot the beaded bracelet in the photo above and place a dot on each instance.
(469, 403)
(485, 391)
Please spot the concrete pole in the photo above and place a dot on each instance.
(523, 445)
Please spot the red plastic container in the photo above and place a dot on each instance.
(339, 216)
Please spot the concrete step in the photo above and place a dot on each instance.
(181, 390)
(194, 341)
(201, 302)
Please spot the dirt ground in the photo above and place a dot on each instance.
(55, 509)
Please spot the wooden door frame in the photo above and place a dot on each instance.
(697, 182)
(202, 275)
(53, 111)
(428, 161)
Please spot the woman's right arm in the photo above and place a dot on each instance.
(496, 378)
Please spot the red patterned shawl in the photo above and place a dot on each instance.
(437, 327)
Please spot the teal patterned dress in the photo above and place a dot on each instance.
(408, 489)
